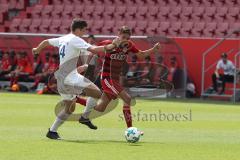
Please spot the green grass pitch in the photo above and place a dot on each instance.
(212, 134)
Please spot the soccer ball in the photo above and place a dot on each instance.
(132, 135)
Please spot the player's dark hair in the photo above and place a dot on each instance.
(125, 29)
(224, 55)
(78, 24)
(91, 36)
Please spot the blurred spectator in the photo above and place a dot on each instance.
(172, 68)
(22, 70)
(133, 72)
(91, 39)
(48, 70)
(161, 71)
(146, 72)
(37, 64)
(5, 66)
(224, 72)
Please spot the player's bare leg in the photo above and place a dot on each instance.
(68, 108)
(94, 93)
(103, 103)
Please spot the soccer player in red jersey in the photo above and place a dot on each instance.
(111, 71)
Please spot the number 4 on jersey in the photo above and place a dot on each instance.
(62, 51)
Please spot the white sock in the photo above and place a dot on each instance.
(91, 103)
(61, 117)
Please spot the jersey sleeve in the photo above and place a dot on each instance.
(80, 43)
(105, 42)
(218, 64)
(54, 42)
(134, 49)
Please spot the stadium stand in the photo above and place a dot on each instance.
(196, 18)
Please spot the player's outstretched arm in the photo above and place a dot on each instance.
(99, 49)
(40, 47)
(146, 53)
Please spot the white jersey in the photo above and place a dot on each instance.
(69, 82)
(228, 67)
(70, 47)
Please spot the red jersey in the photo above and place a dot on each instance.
(5, 64)
(52, 67)
(114, 60)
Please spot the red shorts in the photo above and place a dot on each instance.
(111, 88)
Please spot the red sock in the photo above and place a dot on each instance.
(81, 101)
(127, 115)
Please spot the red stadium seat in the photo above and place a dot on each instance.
(65, 26)
(57, 11)
(232, 3)
(163, 28)
(198, 29)
(152, 28)
(87, 2)
(175, 13)
(197, 3)
(78, 11)
(222, 29)
(141, 27)
(233, 14)
(34, 27)
(67, 12)
(108, 2)
(131, 13)
(57, 2)
(118, 24)
(198, 14)
(141, 13)
(162, 3)
(21, 5)
(25, 24)
(185, 3)
(140, 2)
(55, 26)
(68, 2)
(209, 31)
(36, 11)
(88, 12)
(108, 27)
(98, 12)
(109, 12)
(209, 15)
(46, 12)
(45, 26)
(219, 3)
(97, 27)
(4, 8)
(221, 15)
(163, 13)
(120, 12)
(152, 13)
(174, 30)
(131, 24)
(12, 4)
(14, 27)
(173, 3)
(186, 14)
(77, 2)
(208, 3)
(186, 29)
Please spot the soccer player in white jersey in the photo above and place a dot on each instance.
(70, 83)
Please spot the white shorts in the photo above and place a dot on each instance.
(73, 85)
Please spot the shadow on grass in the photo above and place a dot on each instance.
(102, 141)
(193, 100)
